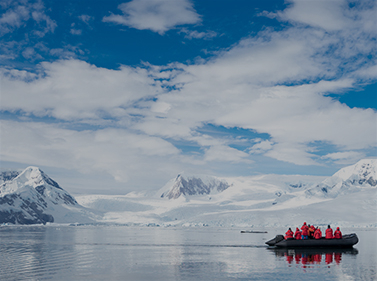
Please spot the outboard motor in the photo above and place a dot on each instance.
(275, 240)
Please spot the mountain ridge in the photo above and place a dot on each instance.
(190, 200)
(349, 179)
(194, 185)
(33, 197)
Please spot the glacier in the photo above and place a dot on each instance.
(255, 201)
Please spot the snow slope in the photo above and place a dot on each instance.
(347, 199)
(32, 197)
(265, 200)
(362, 175)
(243, 194)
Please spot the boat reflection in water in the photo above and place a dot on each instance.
(310, 257)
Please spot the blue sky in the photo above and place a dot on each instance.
(114, 96)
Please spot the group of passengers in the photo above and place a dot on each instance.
(311, 232)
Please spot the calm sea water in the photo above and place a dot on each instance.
(157, 253)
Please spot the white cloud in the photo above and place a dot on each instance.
(292, 153)
(271, 58)
(160, 107)
(165, 127)
(67, 52)
(30, 53)
(354, 25)
(75, 31)
(190, 34)
(73, 89)
(158, 15)
(329, 15)
(86, 18)
(261, 147)
(118, 152)
(19, 12)
(368, 73)
(226, 154)
(13, 18)
(303, 114)
(50, 25)
(345, 157)
(26, 18)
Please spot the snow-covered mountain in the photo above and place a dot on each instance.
(193, 185)
(32, 197)
(263, 200)
(348, 180)
(348, 198)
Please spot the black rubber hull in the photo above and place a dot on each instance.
(346, 242)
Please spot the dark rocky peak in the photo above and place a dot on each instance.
(8, 176)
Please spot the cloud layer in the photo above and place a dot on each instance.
(18, 12)
(158, 15)
(137, 121)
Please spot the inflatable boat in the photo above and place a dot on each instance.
(347, 241)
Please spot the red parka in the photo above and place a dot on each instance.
(297, 234)
(289, 234)
(318, 234)
(304, 229)
(337, 233)
(329, 234)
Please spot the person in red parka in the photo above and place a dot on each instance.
(317, 233)
(289, 234)
(304, 234)
(297, 234)
(329, 234)
(337, 233)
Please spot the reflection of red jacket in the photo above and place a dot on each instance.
(338, 257)
(329, 233)
(317, 234)
(289, 258)
(289, 234)
(304, 229)
(337, 234)
(328, 258)
(317, 258)
(297, 234)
